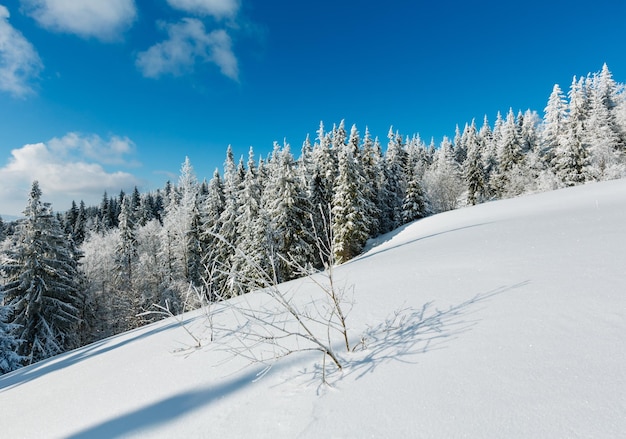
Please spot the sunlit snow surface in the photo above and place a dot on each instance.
(513, 324)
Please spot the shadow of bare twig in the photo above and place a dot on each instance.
(410, 332)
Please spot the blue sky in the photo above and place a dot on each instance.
(99, 95)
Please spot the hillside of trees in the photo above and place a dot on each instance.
(71, 278)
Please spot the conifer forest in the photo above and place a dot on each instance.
(74, 277)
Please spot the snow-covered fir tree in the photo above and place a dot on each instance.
(371, 159)
(606, 138)
(366, 178)
(488, 149)
(9, 358)
(473, 168)
(287, 212)
(70, 218)
(321, 189)
(252, 236)
(211, 210)
(528, 124)
(128, 300)
(103, 221)
(459, 144)
(306, 165)
(225, 246)
(43, 284)
(415, 204)
(571, 162)
(193, 246)
(394, 182)
(80, 226)
(127, 247)
(350, 203)
(181, 235)
(554, 120)
(135, 205)
(510, 161)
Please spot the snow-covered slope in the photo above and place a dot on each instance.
(513, 325)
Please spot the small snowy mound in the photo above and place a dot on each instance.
(506, 319)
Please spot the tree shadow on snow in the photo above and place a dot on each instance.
(410, 332)
(61, 361)
(164, 411)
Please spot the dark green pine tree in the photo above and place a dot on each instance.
(71, 216)
(80, 228)
(43, 284)
(153, 202)
(104, 216)
(135, 204)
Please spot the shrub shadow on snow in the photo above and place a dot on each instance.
(37, 370)
(410, 332)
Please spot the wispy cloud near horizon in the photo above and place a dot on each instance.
(68, 168)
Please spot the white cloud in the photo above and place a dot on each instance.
(215, 8)
(19, 61)
(101, 19)
(66, 170)
(111, 152)
(188, 43)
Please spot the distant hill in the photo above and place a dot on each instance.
(8, 218)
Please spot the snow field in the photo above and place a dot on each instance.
(511, 323)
